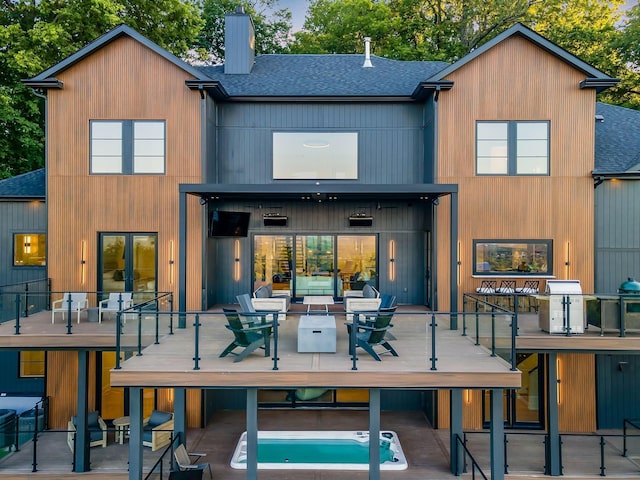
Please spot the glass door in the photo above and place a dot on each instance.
(314, 265)
(357, 262)
(273, 261)
(128, 263)
(523, 407)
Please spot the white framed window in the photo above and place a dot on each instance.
(512, 148)
(128, 147)
(315, 155)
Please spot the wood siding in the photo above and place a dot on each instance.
(123, 80)
(62, 386)
(390, 138)
(516, 80)
(577, 392)
(617, 233)
(19, 217)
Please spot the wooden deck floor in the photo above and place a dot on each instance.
(459, 362)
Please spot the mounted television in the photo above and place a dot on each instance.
(228, 224)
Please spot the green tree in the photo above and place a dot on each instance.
(627, 46)
(272, 26)
(38, 34)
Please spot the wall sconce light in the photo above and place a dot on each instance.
(468, 396)
(559, 380)
(392, 260)
(83, 260)
(459, 264)
(27, 244)
(236, 260)
(567, 262)
(171, 262)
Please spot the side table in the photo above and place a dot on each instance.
(122, 429)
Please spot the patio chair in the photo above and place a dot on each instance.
(183, 459)
(157, 430)
(97, 430)
(78, 304)
(487, 287)
(371, 334)
(250, 335)
(116, 302)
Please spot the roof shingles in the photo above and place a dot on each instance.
(27, 185)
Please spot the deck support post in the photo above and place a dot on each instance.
(455, 414)
(82, 455)
(182, 262)
(135, 433)
(374, 434)
(252, 433)
(553, 466)
(497, 434)
(453, 262)
(180, 414)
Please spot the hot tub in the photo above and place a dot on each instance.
(319, 450)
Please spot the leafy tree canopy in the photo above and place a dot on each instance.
(38, 34)
(272, 26)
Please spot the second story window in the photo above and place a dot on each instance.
(127, 147)
(512, 148)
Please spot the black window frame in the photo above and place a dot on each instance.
(128, 140)
(44, 250)
(512, 149)
(513, 272)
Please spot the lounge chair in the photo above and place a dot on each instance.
(370, 334)
(97, 430)
(116, 302)
(78, 304)
(250, 335)
(157, 430)
(183, 459)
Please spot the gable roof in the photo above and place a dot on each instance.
(47, 78)
(594, 77)
(617, 140)
(325, 75)
(28, 186)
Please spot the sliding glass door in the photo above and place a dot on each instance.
(315, 264)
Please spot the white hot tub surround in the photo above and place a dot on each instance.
(399, 462)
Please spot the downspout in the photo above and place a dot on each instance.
(434, 227)
(46, 171)
(203, 211)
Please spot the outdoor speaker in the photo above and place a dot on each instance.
(274, 220)
(360, 221)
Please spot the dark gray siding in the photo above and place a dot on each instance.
(390, 138)
(618, 389)
(19, 217)
(617, 233)
(398, 221)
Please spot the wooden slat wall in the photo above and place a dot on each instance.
(518, 81)
(62, 386)
(577, 407)
(577, 389)
(123, 80)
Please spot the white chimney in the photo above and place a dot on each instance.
(367, 53)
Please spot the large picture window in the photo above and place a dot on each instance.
(315, 155)
(512, 257)
(127, 147)
(512, 148)
(29, 250)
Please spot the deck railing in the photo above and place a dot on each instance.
(21, 299)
